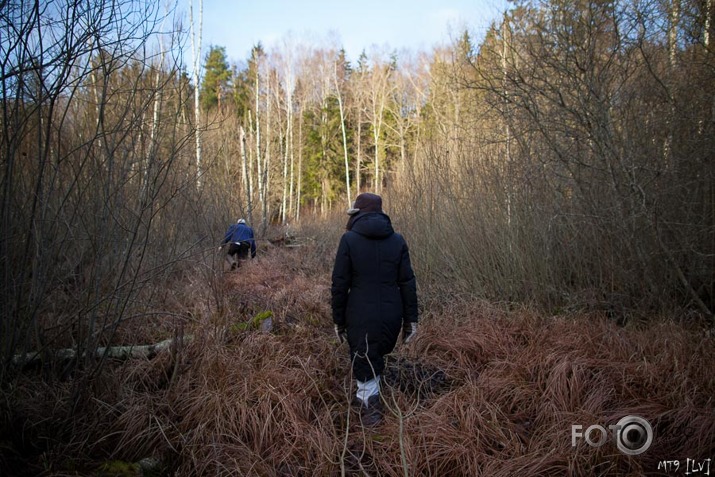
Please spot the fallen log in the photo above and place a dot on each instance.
(114, 352)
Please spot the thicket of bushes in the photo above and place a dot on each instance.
(483, 391)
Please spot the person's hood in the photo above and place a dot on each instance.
(375, 225)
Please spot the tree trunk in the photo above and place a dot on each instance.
(245, 172)
(345, 137)
(196, 50)
(300, 165)
(708, 23)
(267, 161)
(359, 152)
(113, 352)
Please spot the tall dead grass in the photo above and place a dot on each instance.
(236, 400)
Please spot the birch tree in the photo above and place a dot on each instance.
(379, 90)
(257, 67)
(404, 106)
(569, 67)
(288, 67)
(359, 89)
(91, 119)
(245, 173)
(196, 55)
(340, 66)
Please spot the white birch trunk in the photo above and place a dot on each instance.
(159, 91)
(288, 160)
(196, 50)
(379, 91)
(114, 352)
(358, 160)
(345, 138)
(286, 152)
(291, 180)
(376, 126)
(267, 163)
(673, 32)
(259, 163)
(300, 166)
(289, 79)
(244, 171)
(708, 22)
(251, 186)
(673, 57)
(507, 131)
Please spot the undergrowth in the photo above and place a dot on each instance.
(484, 390)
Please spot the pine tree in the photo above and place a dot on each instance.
(217, 77)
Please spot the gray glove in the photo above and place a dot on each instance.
(341, 333)
(409, 330)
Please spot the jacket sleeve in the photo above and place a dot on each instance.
(408, 287)
(228, 234)
(342, 280)
(253, 243)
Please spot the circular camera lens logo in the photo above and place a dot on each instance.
(634, 435)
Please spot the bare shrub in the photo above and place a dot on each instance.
(235, 400)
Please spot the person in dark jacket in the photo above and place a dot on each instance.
(374, 296)
(241, 239)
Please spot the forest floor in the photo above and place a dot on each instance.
(256, 384)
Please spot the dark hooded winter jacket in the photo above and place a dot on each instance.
(373, 290)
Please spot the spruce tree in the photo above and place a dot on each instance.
(216, 80)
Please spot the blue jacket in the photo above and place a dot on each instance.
(239, 233)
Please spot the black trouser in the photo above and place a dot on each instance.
(368, 356)
(239, 250)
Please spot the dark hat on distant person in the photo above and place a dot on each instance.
(366, 202)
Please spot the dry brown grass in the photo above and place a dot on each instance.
(240, 401)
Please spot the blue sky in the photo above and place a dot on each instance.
(413, 24)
